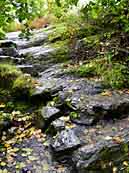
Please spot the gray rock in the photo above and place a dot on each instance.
(45, 92)
(37, 38)
(28, 69)
(97, 157)
(8, 48)
(66, 140)
(58, 124)
(7, 43)
(10, 51)
(11, 59)
(84, 97)
(92, 109)
(4, 125)
(50, 113)
(46, 116)
(36, 51)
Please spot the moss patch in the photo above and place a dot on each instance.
(8, 73)
(23, 84)
(13, 80)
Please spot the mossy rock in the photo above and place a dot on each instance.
(14, 82)
(8, 73)
(23, 86)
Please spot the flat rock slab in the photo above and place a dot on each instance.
(28, 68)
(100, 107)
(7, 59)
(36, 51)
(49, 113)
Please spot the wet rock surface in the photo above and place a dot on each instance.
(88, 123)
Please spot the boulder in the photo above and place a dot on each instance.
(58, 124)
(65, 141)
(46, 116)
(8, 48)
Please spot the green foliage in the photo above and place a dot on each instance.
(8, 73)
(4, 116)
(112, 74)
(88, 70)
(61, 53)
(14, 81)
(24, 84)
(111, 14)
(8, 69)
(67, 26)
(60, 33)
(21, 10)
(117, 76)
(74, 115)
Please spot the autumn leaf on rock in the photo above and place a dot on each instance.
(106, 93)
(117, 139)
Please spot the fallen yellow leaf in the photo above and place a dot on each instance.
(106, 93)
(125, 163)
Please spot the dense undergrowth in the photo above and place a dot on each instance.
(98, 36)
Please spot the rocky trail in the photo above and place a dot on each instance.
(82, 127)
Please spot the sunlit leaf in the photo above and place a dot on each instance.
(3, 164)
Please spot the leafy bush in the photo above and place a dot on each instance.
(117, 76)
